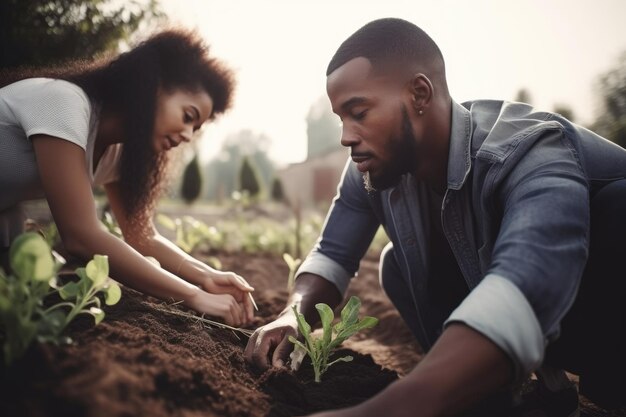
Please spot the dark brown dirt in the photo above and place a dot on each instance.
(141, 361)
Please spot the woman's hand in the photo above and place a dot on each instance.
(224, 306)
(229, 283)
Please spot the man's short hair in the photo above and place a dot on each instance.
(389, 41)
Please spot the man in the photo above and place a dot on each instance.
(488, 206)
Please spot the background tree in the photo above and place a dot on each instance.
(248, 178)
(277, 193)
(44, 32)
(322, 129)
(223, 171)
(612, 88)
(191, 186)
(523, 96)
(565, 111)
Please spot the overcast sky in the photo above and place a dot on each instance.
(280, 48)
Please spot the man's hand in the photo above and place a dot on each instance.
(270, 345)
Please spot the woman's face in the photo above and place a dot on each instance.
(179, 113)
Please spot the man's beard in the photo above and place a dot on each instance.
(403, 154)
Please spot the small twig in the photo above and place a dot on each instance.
(253, 302)
(205, 321)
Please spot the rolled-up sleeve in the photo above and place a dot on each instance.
(539, 255)
(319, 264)
(499, 311)
(347, 232)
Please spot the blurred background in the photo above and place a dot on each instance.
(277, 153)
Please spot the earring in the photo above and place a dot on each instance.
(420, 112)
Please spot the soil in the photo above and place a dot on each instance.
(143, 361)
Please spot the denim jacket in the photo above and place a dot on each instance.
(515, 213)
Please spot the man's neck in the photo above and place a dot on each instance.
(435, 172)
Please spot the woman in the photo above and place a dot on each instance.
(112, 124)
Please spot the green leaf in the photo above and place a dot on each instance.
(97, 314)
(31, 258)
(345, 333)
(338, 327)
(342, 359)
(299, 343)
(112, 293)
(5, 295)
(69, 290)
(98, 270)
(5, 304)
(213, 262)
(85, 283)
(303, 327)
(288, 259)
(52, 324)
(166, 222)
(350, 313)
(327, 316)
(367, 322)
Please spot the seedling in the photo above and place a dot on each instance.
(293, 265)
(111, 224)
(319, 349)
(191, 234)
(25, 317)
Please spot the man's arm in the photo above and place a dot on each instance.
(324, 275)
(539, 255)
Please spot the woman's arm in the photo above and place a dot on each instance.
(65, 180)
(149, 242)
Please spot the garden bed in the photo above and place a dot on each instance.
(142, 361)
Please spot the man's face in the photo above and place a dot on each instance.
(376, 123)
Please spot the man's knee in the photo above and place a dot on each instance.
(608, 209)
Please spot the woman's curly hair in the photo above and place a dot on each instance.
(127, 87)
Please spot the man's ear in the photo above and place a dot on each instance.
(422, 92)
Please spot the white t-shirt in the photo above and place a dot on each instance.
(52, 107)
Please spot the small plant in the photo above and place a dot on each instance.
(192, 234)
(319, 349)
(293, 265)
(111, 224)
(25, 317)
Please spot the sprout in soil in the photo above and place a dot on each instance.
(26, 312)
(319, 349)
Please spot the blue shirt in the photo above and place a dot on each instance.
(515, 213)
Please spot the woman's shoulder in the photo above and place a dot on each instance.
(47, 88)
(48, 106)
